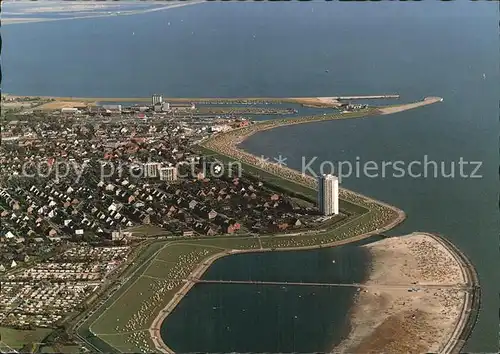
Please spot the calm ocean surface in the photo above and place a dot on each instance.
(283, 49)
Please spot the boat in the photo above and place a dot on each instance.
(326, 71)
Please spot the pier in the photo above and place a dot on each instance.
(410, 287)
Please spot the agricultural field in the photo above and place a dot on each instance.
(164, 266)
(124, 323)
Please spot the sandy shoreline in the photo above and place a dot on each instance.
(392, 320)
(12, 21)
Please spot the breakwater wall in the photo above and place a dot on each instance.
(474, 303)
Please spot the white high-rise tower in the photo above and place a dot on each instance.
(156, 99)
(328, 194)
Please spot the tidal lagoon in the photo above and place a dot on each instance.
(228, 50)
(270, 318)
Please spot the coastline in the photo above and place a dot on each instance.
(435, 311)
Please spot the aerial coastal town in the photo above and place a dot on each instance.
(96, 197)
(81, 186)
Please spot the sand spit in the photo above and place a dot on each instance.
(395, 320)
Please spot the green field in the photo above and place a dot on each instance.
(130, 312)
(177, 250)
(230, 243)
(66, 349)
(122, 327)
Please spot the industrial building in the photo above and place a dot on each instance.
(156, 99)
(328, 194)
(168, 174)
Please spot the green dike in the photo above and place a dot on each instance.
(141, 262)
(11, 338)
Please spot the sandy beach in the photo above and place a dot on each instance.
(391, 319)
